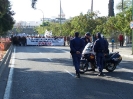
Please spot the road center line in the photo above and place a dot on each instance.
(9, 82)
(70, 73)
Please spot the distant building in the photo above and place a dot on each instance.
(28, 27)
(25, 27)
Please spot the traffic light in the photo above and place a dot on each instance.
(33, 3)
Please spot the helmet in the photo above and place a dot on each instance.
(100, 35)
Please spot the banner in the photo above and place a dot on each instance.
(45, 41)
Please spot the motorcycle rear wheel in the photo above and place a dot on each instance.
(110, 67)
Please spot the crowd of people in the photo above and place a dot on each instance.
(100, 47)
(18, 40)
(22, 40)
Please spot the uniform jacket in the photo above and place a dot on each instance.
(99, 45)
(76, 44)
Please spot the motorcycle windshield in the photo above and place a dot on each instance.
(88, 48)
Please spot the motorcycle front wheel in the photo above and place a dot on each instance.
(110, 67)
(84, 67)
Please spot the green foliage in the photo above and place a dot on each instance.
(91, 22)
(6, 19)
(126, 5)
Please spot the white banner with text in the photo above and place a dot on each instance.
(45, 41)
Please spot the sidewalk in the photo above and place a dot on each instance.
(5, 59)
(124, 51)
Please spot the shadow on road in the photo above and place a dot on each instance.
(43, 49)
(31, 84)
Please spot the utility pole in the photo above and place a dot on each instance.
(91, 6)
(43, 18)
(60, 17)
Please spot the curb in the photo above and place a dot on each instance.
(5, 59)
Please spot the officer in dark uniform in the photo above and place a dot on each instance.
(106, 45)
(76, 48)
(87, 38)
(99, 49)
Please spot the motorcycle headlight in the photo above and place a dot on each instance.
(92, 57)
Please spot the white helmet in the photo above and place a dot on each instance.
(102, 36)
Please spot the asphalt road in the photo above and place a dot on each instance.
(40, 72)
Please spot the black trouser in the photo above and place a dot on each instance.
(121, 43)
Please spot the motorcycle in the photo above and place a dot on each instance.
(88, 58)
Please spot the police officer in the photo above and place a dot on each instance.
(99, 49)
(106, 44)
(87, 38)
(76, 48)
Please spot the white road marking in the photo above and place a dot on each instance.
(70, 73)
(49, 59)
(9, 82)
(124, 69)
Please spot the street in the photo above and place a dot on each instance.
(42, 72)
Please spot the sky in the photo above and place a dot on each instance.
(51, 8)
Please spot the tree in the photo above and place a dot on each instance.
(111, 8)
(126, 4)
(3, 7)
(6, 20)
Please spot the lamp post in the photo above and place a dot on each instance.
(43, 17)
(132, 29)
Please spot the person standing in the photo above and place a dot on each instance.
(76, 48)
(68, 40)
(99, 49)
(121, 39)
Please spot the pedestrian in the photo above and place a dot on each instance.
(121, 39)
(87, 39)
(76, 48)
(99, 50)
(64, 40)
(68, 40)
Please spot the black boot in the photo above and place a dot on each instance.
(77, 75)
(100, 74)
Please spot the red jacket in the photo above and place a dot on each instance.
(121, 37)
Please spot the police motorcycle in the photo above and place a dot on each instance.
(88, 58)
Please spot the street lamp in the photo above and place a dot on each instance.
(43, 17)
